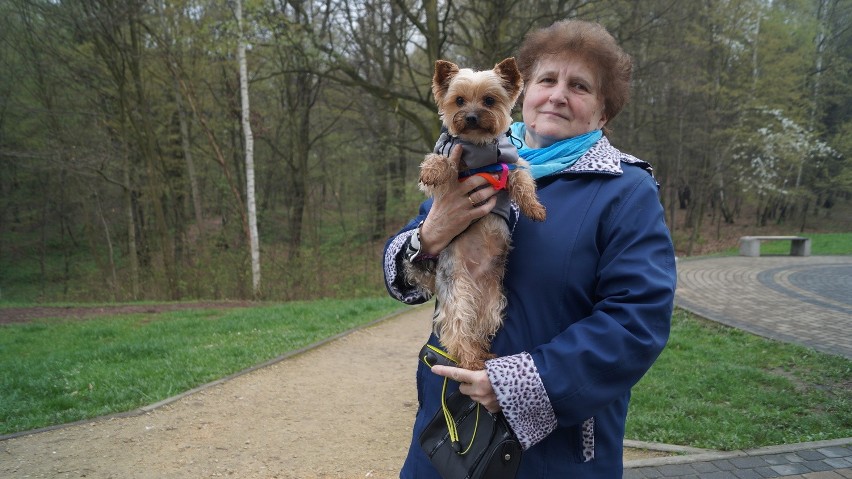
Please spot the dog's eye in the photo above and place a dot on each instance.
(459, 101)
(490, 101)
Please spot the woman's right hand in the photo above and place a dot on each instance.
(452, 212)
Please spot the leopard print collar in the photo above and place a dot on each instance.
(605, 158)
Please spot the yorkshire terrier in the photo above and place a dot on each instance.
(475, 109)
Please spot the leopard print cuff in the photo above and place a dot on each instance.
(522, 397)
(398, 287)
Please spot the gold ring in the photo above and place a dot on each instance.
(471, 201)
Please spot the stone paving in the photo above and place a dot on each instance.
(803, 300)
(814, 460)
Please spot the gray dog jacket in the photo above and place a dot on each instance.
(475, 156)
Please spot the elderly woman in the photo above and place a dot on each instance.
(590, 290)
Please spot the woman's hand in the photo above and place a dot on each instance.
(474, 384)
(453, 211)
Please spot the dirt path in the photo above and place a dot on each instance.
(343, 410)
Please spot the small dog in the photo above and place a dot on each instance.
(475, 109)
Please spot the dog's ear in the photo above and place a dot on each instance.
(444, 72)
(508, 71)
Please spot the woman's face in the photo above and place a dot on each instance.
(561, 101)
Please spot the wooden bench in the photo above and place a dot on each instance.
(799, 245)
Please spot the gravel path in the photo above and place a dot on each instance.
(343, 410)
(340, 410)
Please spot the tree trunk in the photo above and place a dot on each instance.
(143, 128)
(190, 164)
(132, 253)
(249, 139)
(108, 238)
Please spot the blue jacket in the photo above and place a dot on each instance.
(590, 295)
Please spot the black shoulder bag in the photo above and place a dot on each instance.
(465, 441)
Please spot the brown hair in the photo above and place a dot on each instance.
(592, 43)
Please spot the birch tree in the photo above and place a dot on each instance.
(249, 146)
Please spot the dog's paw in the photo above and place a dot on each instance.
(537, 213)
(436, 170)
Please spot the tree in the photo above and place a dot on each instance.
(133, 140)
(249, 147)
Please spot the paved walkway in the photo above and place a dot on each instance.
(804, 300)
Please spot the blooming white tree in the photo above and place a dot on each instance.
(773, 159)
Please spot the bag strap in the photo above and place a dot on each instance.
(451, 423)
(431, 356)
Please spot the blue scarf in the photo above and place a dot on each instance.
(556, 157)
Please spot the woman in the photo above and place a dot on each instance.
(590, 290)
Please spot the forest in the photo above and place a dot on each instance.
(265, 149)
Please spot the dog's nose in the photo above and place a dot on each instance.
(471, 120)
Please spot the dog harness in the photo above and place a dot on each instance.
(495, 158)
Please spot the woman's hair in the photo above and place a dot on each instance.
(590, 42)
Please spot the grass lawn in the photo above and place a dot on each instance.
(54, 372)
(721, 388)
(713, 386)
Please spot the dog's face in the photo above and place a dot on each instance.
(476, 105)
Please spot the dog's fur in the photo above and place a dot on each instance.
(474, 106)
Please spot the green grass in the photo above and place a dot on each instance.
(712, 387)
(827, 244)
(721, 388)
(54, 371)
